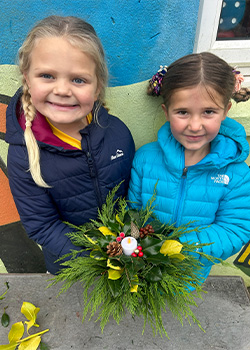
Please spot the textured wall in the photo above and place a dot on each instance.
(137, 35)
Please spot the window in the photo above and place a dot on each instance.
(224, 29)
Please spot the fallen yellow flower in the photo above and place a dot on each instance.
(29, 343)
(30, 312)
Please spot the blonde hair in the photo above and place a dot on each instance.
(79, 34)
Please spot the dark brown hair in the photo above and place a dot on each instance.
(205, 69)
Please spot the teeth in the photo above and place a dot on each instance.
(60, 105)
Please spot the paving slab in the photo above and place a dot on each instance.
(224, 314)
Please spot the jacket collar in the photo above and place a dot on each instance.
(42, 131)
(15, 126)
(229, 146)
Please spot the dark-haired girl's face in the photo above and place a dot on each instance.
(195, 119)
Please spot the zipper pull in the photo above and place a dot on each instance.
(89, 157)
(184, 173)
(90, 164)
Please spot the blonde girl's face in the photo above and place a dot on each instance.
(195, 119)
(62, 82)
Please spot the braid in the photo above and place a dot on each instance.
(31, 143)
(242, 95)
(79, 34)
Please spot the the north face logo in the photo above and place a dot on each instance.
(119, 153)
(221, 179)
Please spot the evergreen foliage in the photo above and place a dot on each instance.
(147, 286)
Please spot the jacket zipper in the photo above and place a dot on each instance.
(93, 173)
(180, 196)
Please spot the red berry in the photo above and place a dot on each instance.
(118, 239)
(140, 254)
(122, 234)
(139, 247)
(134, 255)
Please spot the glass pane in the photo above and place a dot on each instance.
(234, 21)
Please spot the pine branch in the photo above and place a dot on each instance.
(162, 280)
(122, 208)
(106, 213)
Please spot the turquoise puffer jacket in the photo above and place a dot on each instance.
(215, 192)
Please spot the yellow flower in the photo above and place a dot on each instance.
(113, 266)
(106, 231)
(172, 248)
(118, 220)
(96, 254)
(91, 240)
(134, 287)
(30, 311)
(178, 256)
(114, 274)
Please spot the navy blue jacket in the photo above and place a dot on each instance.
(80, 179)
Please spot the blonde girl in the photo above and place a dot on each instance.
(63, 143)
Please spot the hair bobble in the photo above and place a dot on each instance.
(240, 94)
(155, 82)
(238, 80)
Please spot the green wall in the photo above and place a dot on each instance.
(142, 114)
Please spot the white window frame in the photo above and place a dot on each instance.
(235, 52)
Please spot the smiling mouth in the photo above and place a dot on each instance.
(194, 137)
(62, 105)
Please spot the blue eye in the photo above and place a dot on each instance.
(78, 81)
(47, 76)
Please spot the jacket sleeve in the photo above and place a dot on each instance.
(231, 228)
(135, 186)
(38, 212)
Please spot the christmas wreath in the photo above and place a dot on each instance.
(135, 264)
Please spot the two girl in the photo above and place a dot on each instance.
(62, 158)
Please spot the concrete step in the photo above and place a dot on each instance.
(224, 314)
